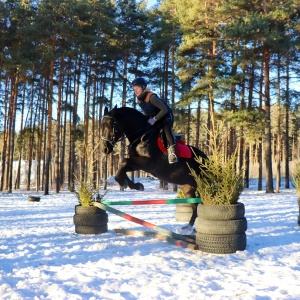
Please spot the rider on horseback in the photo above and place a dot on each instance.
(157, 111)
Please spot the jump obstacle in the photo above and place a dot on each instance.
(158, 236)
(162, 233)
(155, 202)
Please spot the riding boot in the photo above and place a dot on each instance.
(172, 155)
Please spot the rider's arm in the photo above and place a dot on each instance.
(156, 101)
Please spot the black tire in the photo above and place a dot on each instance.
(34, 198)
(221, 212)
(221, 226)
(183, 216)
(221, 244)
(81, 210)
(90, 220)
(91, 229)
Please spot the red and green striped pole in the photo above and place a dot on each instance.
(161, 230)
(155, 202)
(158, 236)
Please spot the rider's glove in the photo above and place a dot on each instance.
(151, 121)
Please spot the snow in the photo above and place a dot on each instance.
(41, 256)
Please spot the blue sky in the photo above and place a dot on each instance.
(151, 2)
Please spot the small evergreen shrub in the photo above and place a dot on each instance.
(220, 182)
(87, 195)
(295, 175)
(85, 191)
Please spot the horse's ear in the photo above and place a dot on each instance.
(116, 106)
(105, 110)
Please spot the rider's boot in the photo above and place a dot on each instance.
(172, 157)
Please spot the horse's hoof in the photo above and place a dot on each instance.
(124, 186)
(139, 186)
(186, 230)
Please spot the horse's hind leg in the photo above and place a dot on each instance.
(122, 178)
(194, 214)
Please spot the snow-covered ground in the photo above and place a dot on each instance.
(41, 257)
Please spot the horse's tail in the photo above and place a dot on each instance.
(198, 154)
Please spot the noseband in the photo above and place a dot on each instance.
(113, 141)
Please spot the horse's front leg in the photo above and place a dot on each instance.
(122, 178)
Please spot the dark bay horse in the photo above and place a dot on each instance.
(144, 153)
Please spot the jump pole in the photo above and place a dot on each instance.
(128, 217)
(155, 202)
(158, 236)
(139, 233)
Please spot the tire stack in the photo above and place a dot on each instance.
(221, 228)
(299, 211)
(183, 212)
(34, 198)
(90, 220)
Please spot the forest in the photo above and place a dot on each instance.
(63, 62)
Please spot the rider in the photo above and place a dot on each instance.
(157, 111)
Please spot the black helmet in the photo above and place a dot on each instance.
(139, 81)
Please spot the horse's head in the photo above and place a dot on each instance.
(111, 132)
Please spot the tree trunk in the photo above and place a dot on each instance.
(287, 130)
(268, 134)
(48, 154)
(198, 124)
(247, 147)
(278, 141)
(72, 156)
(260, 141)
(11, 130)
(30, 150)
(57, 129)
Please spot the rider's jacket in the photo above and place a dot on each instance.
(153, 106)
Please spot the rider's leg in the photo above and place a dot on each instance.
(172, 157)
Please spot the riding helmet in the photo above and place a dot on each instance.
(139, 81)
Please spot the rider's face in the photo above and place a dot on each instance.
(137, 90)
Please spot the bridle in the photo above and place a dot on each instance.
(113, 141)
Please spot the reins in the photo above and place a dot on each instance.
(151, 130)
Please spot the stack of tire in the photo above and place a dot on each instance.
(90, 220)
(221, 229)
(299, 211)
(183, 212)
(34, 198)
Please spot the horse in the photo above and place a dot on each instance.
(146, 154)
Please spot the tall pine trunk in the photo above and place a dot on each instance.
(268, 134)
(278, 141)
(287, 131)
(48, 152)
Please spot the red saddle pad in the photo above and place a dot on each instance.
(182, 149)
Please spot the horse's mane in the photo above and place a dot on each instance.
(132, 114)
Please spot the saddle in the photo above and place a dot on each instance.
(182, 149)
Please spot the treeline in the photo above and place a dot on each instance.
(61, 62)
